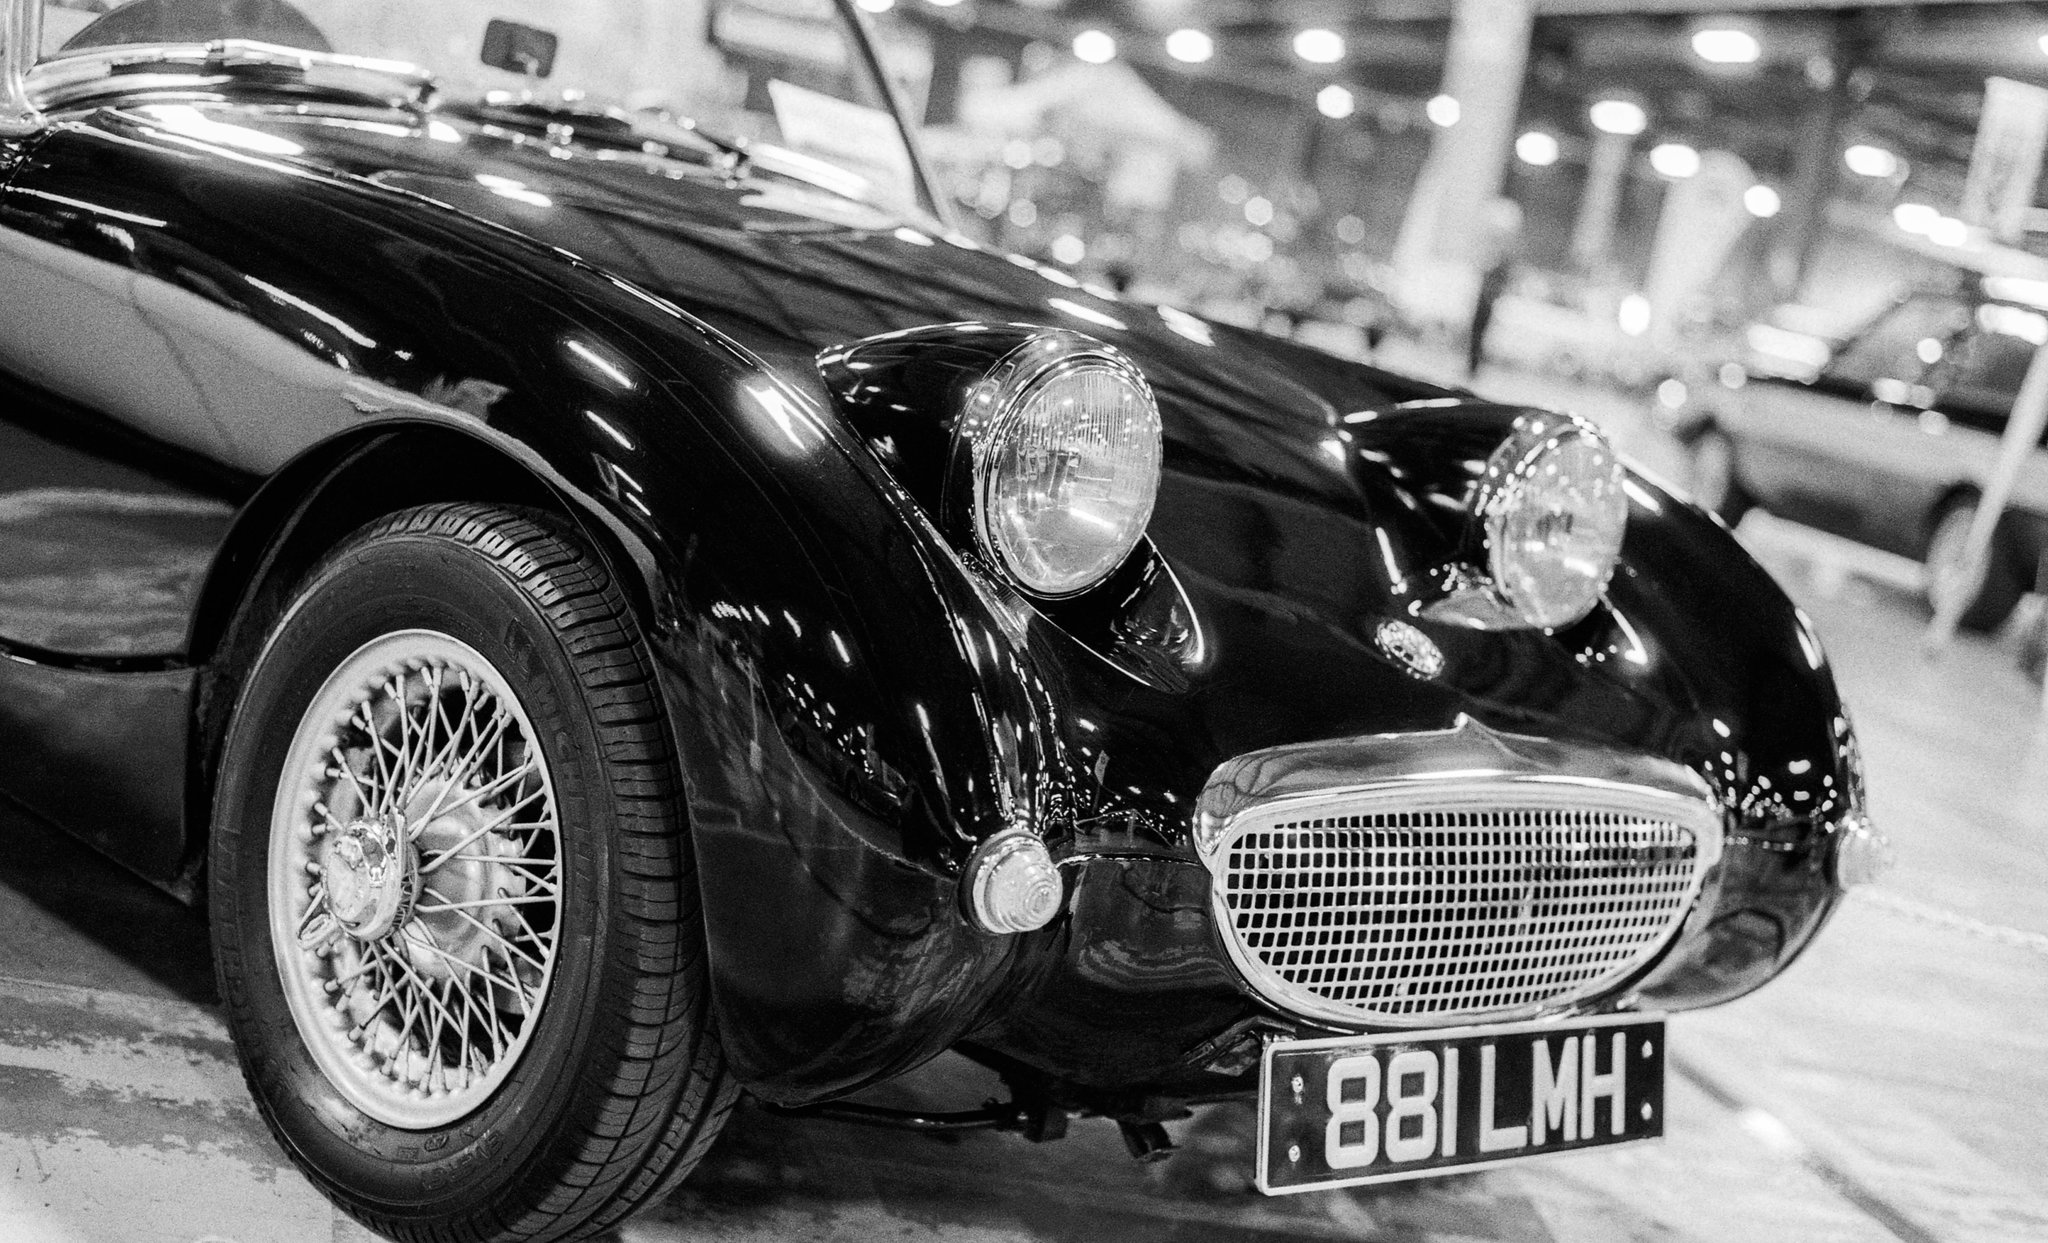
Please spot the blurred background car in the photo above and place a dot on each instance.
(1887, 437)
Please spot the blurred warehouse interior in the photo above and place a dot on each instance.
(1649, 180)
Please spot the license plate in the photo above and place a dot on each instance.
(1373, 1109)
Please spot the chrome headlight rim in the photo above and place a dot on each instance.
(996, 408)
(1509, 469)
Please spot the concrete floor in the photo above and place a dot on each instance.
(1892, 1085)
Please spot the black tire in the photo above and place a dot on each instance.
(1710, 462)
(1993, 599)
(620, 1085)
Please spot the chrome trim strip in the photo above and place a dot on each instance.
(21, 38)
(1467, 767)
(62, 79)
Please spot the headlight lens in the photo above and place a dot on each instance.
(1066, 469)
(1555, 514)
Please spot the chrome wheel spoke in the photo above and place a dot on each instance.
(504, 942)
(479, 904)
(501, 822)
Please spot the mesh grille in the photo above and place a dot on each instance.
(1415, 913)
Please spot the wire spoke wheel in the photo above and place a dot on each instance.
(450, 885)
(415, 879)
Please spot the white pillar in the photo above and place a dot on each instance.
(1444, 235)
(1600, 202)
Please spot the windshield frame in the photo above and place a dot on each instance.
(21, 33)
(927, 184)
(29, 85)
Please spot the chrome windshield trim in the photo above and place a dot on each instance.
(1466, 767)
(21, 36)
(63, 79)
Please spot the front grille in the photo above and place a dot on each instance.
(1414, 915)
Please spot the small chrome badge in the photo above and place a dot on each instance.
(1410, 648)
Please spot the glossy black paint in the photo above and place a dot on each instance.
(302, 310)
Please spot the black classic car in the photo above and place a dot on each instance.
(612, 602)
(1888, 437)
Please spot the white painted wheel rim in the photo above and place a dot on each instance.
(1952, 581)
(415, 879)
(1713, 472)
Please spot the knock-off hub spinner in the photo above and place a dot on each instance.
(370, 878)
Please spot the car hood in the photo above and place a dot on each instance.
(786, 269)
(1304, 496)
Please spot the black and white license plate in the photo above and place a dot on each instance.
(1372, 1109)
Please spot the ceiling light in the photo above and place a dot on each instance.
(1868, 161)
(878, 6)
(1726, 47)
(1633, 315)
(1335, 102)
(1095, 47)
(1443, 110)
(1915, 217)
(1618, 116)
(1190, 46)
(1319, 47)
(1537, 147)
(1948, 231)
(1674, 159)
(1762, 201)
(2044, 45)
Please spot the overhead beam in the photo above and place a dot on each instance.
(1342, 13)
(1681, 8)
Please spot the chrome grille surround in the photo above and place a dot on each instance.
(1423, 880)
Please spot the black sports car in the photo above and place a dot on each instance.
(612, 602)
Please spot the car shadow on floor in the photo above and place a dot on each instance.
(777, 1177)
(111, 928)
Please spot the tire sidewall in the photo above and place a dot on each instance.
(403, 582)
(2000, 584)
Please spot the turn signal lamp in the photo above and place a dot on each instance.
(1012, 885)
(1555, 512)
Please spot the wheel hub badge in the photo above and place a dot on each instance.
(1408, 647)
(369, 878)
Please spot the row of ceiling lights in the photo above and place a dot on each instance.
(1717, 45)
(1320, 46)
(1189, 46)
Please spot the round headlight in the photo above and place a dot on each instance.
(1066, 465)
(1555, 513)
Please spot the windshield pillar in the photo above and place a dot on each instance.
(927, 184)
(21, 38)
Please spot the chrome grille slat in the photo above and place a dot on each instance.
(1501, 899)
